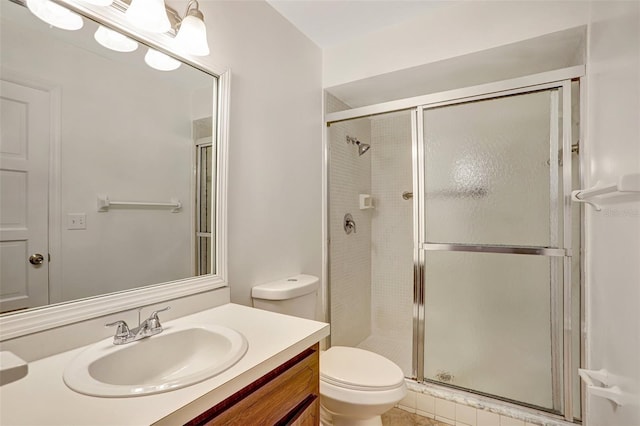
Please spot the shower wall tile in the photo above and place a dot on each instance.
(509, 421)
(425, 414)
(466, 414)
(392, 234)
(445, 408)
(426, 403)
(487, 412)
(459, 414)
(349, 255)
(486, 418)
(408, 403)
(446, 420)
(384, 241)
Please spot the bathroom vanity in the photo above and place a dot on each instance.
(277, 379)
(289, 394)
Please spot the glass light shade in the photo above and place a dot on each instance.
(160, 61)
(192, 36)
(56, 15)
(114, 40)
(149, 15)
(100, 2)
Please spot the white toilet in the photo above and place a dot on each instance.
(356, 386)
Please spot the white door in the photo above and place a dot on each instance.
(24, 177)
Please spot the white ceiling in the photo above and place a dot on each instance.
(540, 54)
(331, 22)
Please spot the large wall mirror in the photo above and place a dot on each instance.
(112, 172)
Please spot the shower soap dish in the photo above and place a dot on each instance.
(366, 201)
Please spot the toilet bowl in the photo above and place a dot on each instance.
(356, 386)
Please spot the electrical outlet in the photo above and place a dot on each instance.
(76, 221)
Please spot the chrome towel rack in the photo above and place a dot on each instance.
(104, 203)
(603, 384)
(626, 183)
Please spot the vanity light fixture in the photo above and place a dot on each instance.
(192, 32)
(160, 61)
(149, 15)
(55, 15)
(114, 40)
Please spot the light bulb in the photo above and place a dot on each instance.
(160, 61)
(114, 40)
(192, 36)
(56, 15)
(149, 15)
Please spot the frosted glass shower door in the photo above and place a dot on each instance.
(488, 171)
(493, 249)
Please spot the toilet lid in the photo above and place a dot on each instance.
(359, 369)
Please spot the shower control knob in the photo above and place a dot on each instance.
(36, 259)
(349, 224)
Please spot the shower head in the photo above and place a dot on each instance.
(362, 147)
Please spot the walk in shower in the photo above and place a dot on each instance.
(464, 269)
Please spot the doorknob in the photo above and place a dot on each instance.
(36, 259)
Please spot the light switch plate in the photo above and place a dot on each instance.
(76, 221)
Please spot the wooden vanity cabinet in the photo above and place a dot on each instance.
(287, 395)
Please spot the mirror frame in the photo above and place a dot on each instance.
(38, 319)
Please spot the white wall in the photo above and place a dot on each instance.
(446, 32)
(275, 148)
(613, 235)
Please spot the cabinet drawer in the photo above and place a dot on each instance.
(310, 416)
(273, 399)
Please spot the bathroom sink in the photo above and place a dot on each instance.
(179, 356)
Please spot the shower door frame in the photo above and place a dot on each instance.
(561, 303)
(557, 79)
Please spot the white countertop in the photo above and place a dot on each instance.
(41, 398)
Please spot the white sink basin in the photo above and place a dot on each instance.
(179, 356)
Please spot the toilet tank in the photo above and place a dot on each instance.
(294, 296)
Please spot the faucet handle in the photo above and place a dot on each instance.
(122, 330)
(153, 321)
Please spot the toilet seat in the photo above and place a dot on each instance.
(360, 370)
(342, 395)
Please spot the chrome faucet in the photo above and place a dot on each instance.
(147, 328)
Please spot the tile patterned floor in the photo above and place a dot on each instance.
(398, 417)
